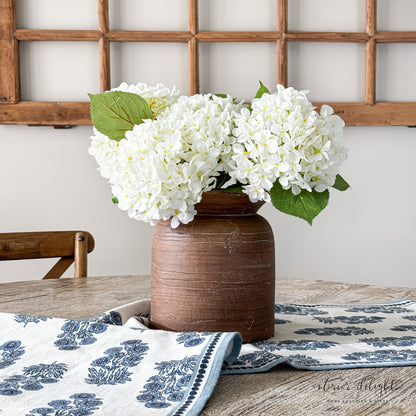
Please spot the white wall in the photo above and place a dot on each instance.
(367, 234)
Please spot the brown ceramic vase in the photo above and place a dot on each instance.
(216, 273)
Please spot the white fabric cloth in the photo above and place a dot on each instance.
(114, 364)
(51, 366)
(326, 337)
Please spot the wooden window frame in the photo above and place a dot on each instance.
(15, 111)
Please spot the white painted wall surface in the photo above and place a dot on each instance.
(49, 182)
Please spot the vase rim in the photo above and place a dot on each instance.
(220, 202)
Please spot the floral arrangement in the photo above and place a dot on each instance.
(161, 150)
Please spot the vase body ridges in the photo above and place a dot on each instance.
(217, 273)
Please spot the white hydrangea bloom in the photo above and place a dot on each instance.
(285, 139)
(162, 167)
(159, 97)
(104, 150)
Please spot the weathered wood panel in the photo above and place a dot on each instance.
(369, 113)
(9, 54)
(46, 113)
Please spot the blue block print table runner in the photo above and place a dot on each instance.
(114, 364)
(109, 365)
(329, 337)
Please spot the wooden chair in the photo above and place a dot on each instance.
(71, 246)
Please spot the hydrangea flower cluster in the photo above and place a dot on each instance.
(163, 166)
(160, 167)
(158, 97)
(283, 138)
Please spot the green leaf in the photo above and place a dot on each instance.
(307, 205)
(115, 112)
(114, 199)
(262, 90)
(235, 189)
(221, 95)
(340, 183)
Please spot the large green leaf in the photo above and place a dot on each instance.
(307, 205)
(115, 112)
(340, 183)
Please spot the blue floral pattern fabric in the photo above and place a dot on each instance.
(77, 333)
(114, 364)
(80, 404)
(114, 367)
(11, 351)
(108, 365)
(32, 378)
(324, 337)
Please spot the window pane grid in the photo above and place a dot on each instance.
(14, 111)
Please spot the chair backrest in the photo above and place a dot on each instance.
(71, 246)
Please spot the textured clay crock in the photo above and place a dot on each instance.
(216, 273)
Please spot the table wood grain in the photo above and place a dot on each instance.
(282, 391)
